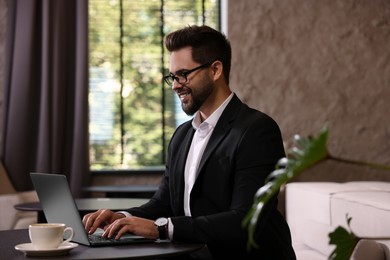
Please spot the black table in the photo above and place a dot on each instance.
(86, 205)
(153, 250)
(128, 191)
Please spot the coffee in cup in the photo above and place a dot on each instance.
(46, 236)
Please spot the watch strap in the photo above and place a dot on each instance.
(162, 232)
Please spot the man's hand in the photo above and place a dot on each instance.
(138, 226)
(101, 218)
(117, 224)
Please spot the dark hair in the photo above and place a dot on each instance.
(208, 45)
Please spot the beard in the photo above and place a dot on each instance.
(198, 96)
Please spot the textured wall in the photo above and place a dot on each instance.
(310, 63)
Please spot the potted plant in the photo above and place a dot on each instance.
(305, 153)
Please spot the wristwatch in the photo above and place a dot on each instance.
(162, 227)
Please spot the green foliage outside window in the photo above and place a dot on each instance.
(132, 113)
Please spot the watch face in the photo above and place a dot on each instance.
(161, 221)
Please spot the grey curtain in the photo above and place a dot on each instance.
(45, 109)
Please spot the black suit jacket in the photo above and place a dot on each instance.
(242, 151)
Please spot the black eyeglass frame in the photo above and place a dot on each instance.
(172, 77)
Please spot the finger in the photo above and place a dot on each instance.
(123, 226)
(123, 230)
(93, 222)
(102, 217)
(85, 219)
(110, 230)
(88, 221)
(107, 230)
(115, 228)
(98, 219)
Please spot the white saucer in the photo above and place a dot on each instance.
(29, 249)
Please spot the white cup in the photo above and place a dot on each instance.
(46, 236)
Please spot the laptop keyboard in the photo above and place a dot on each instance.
(100, 239)
(97, 239)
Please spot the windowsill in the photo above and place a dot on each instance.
(134, 171)
(103, 182)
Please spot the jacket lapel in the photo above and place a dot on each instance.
(222, 128)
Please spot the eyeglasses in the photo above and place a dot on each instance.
(181, 77)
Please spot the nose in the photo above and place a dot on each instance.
(176, 85)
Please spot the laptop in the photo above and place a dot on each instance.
(59, 206)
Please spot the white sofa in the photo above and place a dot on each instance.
(315, 209)
(10, 218)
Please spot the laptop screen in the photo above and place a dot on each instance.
(58, 203)
(59, 206)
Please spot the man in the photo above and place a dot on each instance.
(216, 162)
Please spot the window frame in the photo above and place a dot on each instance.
(223, 25)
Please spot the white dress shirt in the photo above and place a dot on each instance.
(203, 131)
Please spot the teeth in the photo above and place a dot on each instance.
(182, 96)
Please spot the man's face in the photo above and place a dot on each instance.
(195, 91)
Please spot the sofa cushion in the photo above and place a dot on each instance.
(308, 200)
(8, 213)
(303, 197)
(316, 195)
(369, 210)
(309, 255)
(316, 236)
(370, 185)
(12, 218)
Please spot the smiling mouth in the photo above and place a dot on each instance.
(183, 94)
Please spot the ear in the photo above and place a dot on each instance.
(217, 70)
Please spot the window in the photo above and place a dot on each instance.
(132, 113)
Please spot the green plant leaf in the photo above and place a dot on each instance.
(305, 153)
(345, 242)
